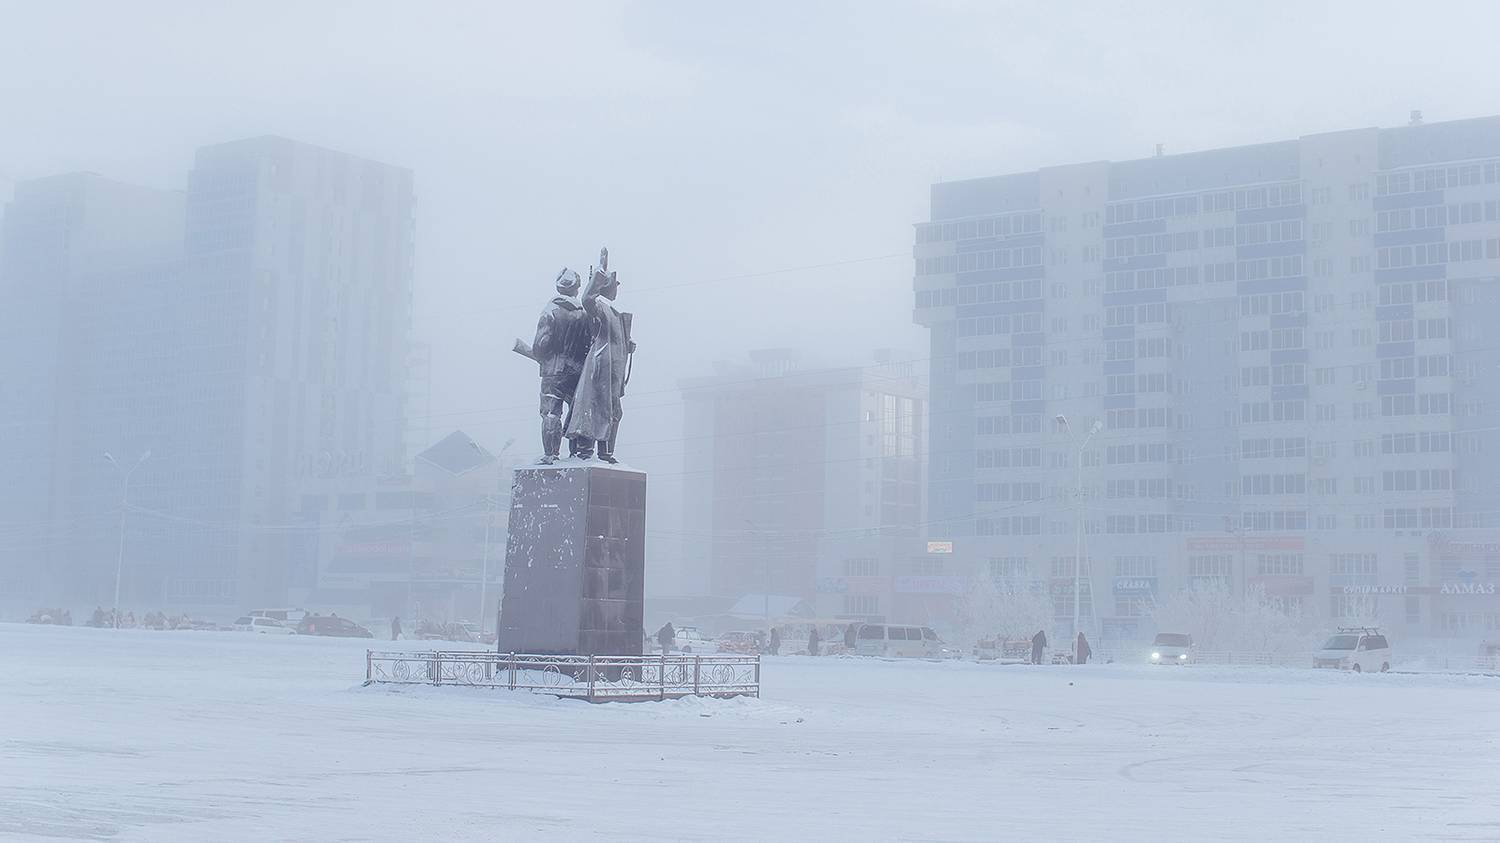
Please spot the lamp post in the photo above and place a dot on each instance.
(1097, 426)
(124, 505)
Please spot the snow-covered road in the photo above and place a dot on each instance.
(225, 736)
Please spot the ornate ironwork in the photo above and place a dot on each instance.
(593, 678)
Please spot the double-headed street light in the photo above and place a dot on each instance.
(124, 507)
(1062, 421)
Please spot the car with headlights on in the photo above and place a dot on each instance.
(1172, 648)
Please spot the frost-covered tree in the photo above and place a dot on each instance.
(1220, 620)
(998, 609)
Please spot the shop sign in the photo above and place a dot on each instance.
(853, 585)
(928, 585)
(1443, 547)
(1374, 589)
(1467, 588)
(1252, 543)
(1284, 586)
(940, 547)
(1135, 585)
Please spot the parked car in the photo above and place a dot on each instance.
(1017, 651)
(1358, 648)
(878, 639)
(1172, 648)
(265, 626)
(469, 631)
(690, 640)
(741, 641)
(333, 627)
(288, 617)
(464, 632)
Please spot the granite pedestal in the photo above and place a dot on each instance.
(575, 561)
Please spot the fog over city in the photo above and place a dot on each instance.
(954, 369)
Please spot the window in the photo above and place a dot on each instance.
(863, 604)
(1278, 564)
(1135, 566)
(862, 567)
(1007, 568)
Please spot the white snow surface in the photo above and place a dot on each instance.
(141, 735)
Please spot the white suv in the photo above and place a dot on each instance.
(1360, 649)
(264, 626)
(1172, 648)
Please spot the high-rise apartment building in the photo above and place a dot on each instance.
(64, 240)
(789, 470)
(248, 337)
(1291, 352)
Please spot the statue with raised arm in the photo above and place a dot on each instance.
(594, 419)
(562, 340)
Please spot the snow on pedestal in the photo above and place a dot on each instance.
(575, 561)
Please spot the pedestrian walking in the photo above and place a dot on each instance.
(1038, 644)
(812, 642)
(1081, 651)
(666, 637)
(396, 628)
(775, 641)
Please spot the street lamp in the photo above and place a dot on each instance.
(124, 505)
(1097, 426)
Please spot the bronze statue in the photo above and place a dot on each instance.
(594, 417)
(562, 341)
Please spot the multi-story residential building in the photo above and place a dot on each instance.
(263, 345)
(60, 239)
(1289, 349)
(791, 471)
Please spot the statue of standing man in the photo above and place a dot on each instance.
(562, 340)
(594, 419)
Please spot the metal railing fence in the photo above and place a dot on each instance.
(592, 678)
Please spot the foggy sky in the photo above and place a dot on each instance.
(699, 141)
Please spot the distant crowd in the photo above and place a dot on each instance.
(112, 619)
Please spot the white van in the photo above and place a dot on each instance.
(1358, 648)
(915, 642)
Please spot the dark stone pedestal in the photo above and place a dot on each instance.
(575, 561)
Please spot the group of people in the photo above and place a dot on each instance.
(1081, 650)
(103, 618)
(58, 617)
(108, 618)
(666, 639)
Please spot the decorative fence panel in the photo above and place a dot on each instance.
(592, 678)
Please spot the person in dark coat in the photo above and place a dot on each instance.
(396, 628)
(1081, 651)
(1038, 644)
(666, 638)
(775, 641)
(812, 642)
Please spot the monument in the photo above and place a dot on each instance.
(576, 555)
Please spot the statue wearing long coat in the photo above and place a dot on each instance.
(596, 401)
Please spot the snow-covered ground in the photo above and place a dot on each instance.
(227, 736)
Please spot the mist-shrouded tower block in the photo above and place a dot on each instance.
(575, 561)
